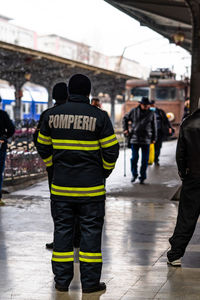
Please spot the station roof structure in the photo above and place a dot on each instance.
(166, 17)
(19, 64)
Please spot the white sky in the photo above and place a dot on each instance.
(99, 25)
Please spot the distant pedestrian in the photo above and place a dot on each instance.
(81, 142)
(186, 108)
(7, 129)
(143, 133)
(96, 102)
(164, 129)
(188, 162)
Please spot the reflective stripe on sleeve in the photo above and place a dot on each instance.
(90, 257)
(48, 161)
(75, 145)
(63, 256)
(108, 141)
(43, 139)
(108, 166)
(78, 191)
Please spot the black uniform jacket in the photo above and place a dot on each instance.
(79, 140)
(144, 128)
(7, 128)
(188, 147)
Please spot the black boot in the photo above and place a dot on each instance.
(100, 287)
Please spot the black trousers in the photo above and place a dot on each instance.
(188, 213)
(91, 218)
(158, 146)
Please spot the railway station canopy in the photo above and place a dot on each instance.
(170, 18)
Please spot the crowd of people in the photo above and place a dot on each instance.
(76, 140)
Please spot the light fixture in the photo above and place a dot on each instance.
(178, 37)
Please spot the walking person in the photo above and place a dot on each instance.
(164, 129)
(7, 129)
(187, 158)
(143, 133)
(79, 139)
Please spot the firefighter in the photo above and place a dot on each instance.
(79, 140)
(60, 95)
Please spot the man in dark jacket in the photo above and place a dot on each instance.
(164, 129)
(60, 95)
(7, 129)
(143, 133)
(187, 158)
(79, 139)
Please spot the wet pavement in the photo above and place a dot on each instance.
(139, 220)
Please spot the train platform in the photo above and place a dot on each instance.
(139, 220)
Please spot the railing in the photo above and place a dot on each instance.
(22, 158)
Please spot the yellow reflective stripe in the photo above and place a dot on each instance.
(108, 138)
(75, 141)
(48, 161)
(43, 139)
(90, 253)
(63, 253)
(62, 259)
(90, 257)
(110, 144)
(75, 145)
(78, 188)
(107, 165)
(63, 256)
(48, 138)
(78, 192)
(90, 260)
(43, 142)
(108, 141)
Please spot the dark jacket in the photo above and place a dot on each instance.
(79, 139)
(144, 128)
(163, 129)
(7, 129)
(188, 146)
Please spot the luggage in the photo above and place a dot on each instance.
(151, 154)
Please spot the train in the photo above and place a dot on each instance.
(162, 87)
(34, 100)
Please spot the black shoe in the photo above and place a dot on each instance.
(61, 288)
(157, 163)
(49, 245)
(100, 287)
(142, 181)
(133, 179)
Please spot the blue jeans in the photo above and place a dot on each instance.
(2, 165)
(134, 160)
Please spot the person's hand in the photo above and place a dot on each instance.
(126, 132)
(170, 130)
(153, 142)
(2, 141)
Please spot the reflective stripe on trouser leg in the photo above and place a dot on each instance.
(63, 255)
(91, 222)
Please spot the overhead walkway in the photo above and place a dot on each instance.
(139, 220)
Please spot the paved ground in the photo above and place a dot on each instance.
(139, 220)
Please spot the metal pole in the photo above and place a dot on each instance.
(124, 156)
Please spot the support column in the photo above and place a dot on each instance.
(18, 104)
(112, 109)
(195, 69)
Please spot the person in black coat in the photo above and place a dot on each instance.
(164, 129)
(7, 129)
(60, 95)
(188, 163)
(143, 133)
